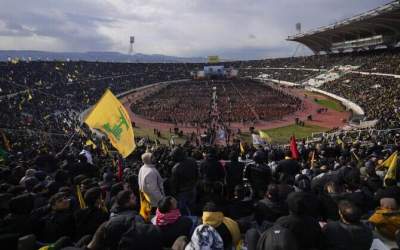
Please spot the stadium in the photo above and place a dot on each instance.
(224, 154)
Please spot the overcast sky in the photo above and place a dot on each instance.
(228, 28)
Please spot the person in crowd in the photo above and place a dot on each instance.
(150, 181)
(88, 219)
(258, 173)
(234, 173)
(54, 221)
(272, 200)
(298, 219)
(211, 169)
(287, 167)
(386, 218)
(227, 228)
(348, 232)
(170, 221)
(184, 176)
(41, 161)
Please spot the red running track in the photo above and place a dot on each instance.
(330, 119)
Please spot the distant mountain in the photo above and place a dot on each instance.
(94, 56)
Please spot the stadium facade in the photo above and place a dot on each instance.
(378, 27)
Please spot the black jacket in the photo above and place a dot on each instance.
(288, 167)
(234, 174)
(169, 233)
(259, 176)
(211, 170)
(275, 209)
(184, 176)
(339, 236)
(56, 225)
(87, 221)
(141, 237)
(305, 229)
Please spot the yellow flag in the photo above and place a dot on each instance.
(265, 136)
(392, 165)
(388, 162)
(241, 148)
(81, 201)
(29, 96)
(145, 206)
(90, 143)
(104, 148)
(110, 117)
(340, 142)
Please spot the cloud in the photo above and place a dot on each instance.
(229, 28)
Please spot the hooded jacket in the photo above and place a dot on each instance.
(218, 221)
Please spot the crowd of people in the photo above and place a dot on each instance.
(295, 69)
(183, 103)
(57, 191)
(377, 95)
(201, 197)
(189, 103)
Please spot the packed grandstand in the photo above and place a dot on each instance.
(64, 186)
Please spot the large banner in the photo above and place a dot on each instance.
(213, 59)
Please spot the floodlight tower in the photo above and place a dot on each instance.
(131, 42)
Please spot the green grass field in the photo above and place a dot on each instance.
(330, 104)
(165, 136)
(282, 135)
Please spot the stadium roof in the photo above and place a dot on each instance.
(380, 26)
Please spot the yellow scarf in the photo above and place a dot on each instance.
(215, 219)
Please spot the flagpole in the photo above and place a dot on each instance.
(67, 144)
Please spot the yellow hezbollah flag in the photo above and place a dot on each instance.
(110, 117)
(265, 136)
(391, 163)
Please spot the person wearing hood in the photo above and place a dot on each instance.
(29, 173)
(150, 181)
(170, 221)
(184, 177)
(348, 232)
(227, 228)
(205, 237)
